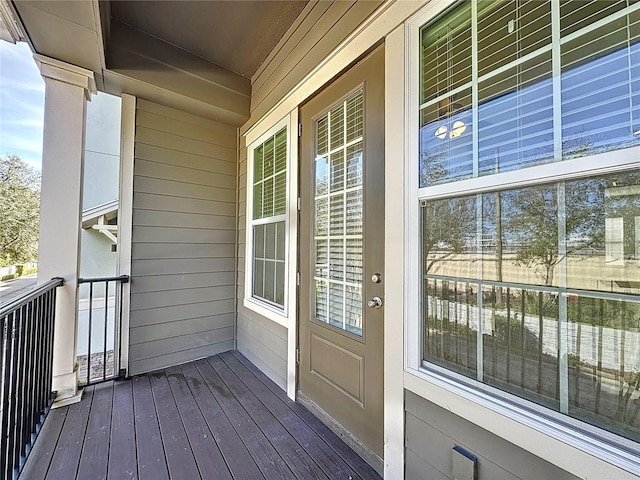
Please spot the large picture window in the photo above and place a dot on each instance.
(529, 207)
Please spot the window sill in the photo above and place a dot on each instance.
(578, 448)
(272, 313)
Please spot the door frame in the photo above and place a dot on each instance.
(365, 451)
(388, 22)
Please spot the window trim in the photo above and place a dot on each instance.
(454, 391)
(258, 305)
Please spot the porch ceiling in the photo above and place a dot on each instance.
(237, 35)
(197, 56)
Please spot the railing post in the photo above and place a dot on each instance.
(67, 88)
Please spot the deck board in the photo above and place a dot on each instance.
(94, 459)
(46, 444)
(122, 454)
(207, 455)
(152, 463)
(294, 455)
(64, 464)
(214, 418)
(261, 450)
(234, 451)
(180, 459)
(356, 462)
(332, 465)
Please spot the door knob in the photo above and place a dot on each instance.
(375, 302)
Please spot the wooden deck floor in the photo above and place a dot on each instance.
(217, 418)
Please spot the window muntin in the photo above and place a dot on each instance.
(503, 112)
(269, 220)
(534, 290)
(338, 220)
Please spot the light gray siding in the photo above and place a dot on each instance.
(261, 340)
(431, 433)
(319, 29)
(184, 233)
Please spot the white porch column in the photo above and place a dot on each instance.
(67, 89)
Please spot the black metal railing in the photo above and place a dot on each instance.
(26, 369)
(99, 329)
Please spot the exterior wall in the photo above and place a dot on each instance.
(431, 432)
(101, 151)
(319, 29)
(261, 340)
(183, 239)
(100, 183)
(96, 259)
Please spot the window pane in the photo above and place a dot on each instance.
(449, 237)
(336, 127)
(354, 117)
(604, 357)
(522, 119)
(322, 301)
(520, 236)
(520, 342)
(446, 53)
(577, 14)
(338, 222)
(446, 140)
(336, 304)
(509, 30)
(258, 241)
(270, 241)
(279, 288)
(596, 93)
(281, 236)
(337, 171)
(516, 117)
(280, 194)
(257, 201)
(258, 162)
(353, 305)
(269, 280)
(603, 237)
(258, 278)
(451, 324)
(322, 176)
(545, 258)
(354, 165)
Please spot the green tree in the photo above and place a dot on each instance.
(19, 211)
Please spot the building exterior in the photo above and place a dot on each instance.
(420, 219)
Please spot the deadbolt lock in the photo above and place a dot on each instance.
(376, 278)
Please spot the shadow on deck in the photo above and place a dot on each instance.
(216, 418)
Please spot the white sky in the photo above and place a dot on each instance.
(21, 104)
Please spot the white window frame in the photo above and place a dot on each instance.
(286, 315)
(528, 423)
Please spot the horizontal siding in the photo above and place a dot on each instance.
(164, 283)
(176, 188)
(431, 432)
(146, 251)
(264, 343)
(321, 27)
(179, 357)
(147, 300)
(183, 241)
(261, 340)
